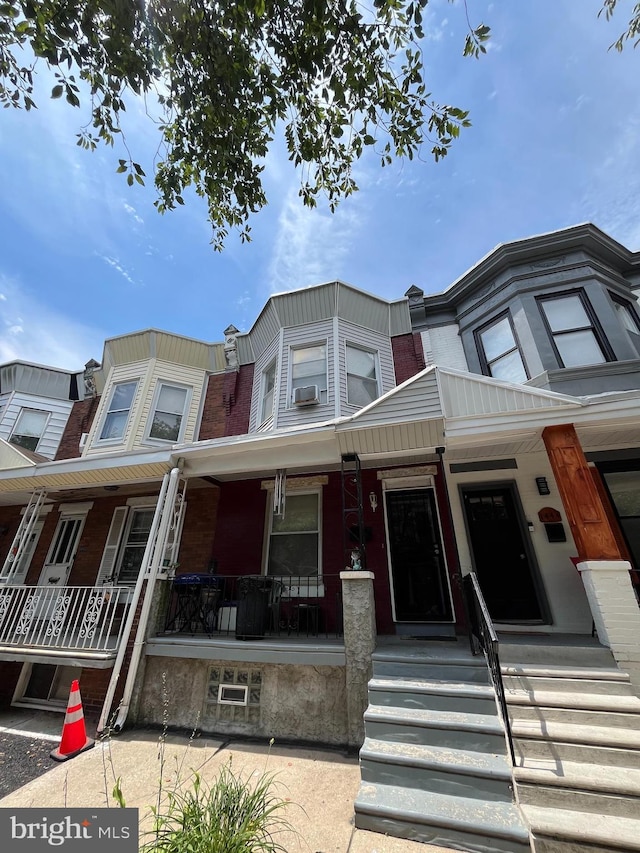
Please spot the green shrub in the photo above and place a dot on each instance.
(230, 815)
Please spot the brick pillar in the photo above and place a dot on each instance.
(602, 567)
(615, 610)
(359, 614)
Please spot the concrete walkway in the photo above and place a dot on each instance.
(321, 785)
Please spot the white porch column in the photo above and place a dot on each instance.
(359, 616)
(615, 610)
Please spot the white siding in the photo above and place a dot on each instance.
(466, 396)
(443, 347)
(271, 353)
(163, 371)
(314, 333)
(59, 411)
(348, 333)
(120, 373)
(148, 373)
(418, 399)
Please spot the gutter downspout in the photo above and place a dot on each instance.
(146, 559)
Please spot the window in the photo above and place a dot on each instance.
(294, 541)
(29, 428)
(628, 318)
(268, 388)
(168, 412)
(362, 376)
(135, 541)
(309, 367)
(573, 327)
(117, 415)
(499, 351)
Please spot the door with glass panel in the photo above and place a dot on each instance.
(419, 581)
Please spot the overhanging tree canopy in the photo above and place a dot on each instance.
(221, 77)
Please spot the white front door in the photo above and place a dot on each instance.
(57, 567)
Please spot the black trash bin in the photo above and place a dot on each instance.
(252, 618)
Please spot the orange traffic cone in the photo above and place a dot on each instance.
(74, 735)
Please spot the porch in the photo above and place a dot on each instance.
(85, 622)
(245, 608)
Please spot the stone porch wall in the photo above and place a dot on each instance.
(286, 701)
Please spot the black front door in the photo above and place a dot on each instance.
(418, 573)
(500, 556)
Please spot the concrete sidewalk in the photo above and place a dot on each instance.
(321, 785)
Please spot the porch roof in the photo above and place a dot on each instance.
(21, 475)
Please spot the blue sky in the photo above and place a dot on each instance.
(555, 141)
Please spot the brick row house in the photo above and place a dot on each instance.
(193, 527)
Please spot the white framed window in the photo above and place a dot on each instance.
(167, 417)
(29, 428)
(134, 543)
(362, 376)
(267, 392)
(309, 368)
(294, 541)
(499, 351)
(117, 416)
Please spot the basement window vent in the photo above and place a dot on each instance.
(233, 694)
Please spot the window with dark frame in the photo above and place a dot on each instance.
(499, 350)
(628, 318)
(574, 330)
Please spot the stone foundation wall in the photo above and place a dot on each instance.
(286, 701)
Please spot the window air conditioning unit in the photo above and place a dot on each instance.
(83, 441)
(306, 396)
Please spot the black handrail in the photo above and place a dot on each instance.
(482, 636)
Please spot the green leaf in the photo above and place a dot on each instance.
(130, 179)
(57, 91)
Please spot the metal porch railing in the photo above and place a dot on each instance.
(70, 618)
(483, 637)
(255, 606)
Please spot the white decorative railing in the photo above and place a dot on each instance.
(70, 618)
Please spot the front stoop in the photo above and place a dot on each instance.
(576, 728)
(434, 762)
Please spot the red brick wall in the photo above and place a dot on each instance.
(80, 420)
(213, 414)
(238, 413)
(408, 356)
(196, 544)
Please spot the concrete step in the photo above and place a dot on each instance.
(455, 730)
(432, 670)
(436, 695)
(579, 717)
(555, 684)
(457, 822)
(580, 787)
(566, 831)
(456, 772)
(584, 744)
(583, 700)
(555, 671)
(567, 651)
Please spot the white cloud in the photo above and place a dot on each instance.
(310, 244)
(133, 213)
(36, 333)
(115, 263)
